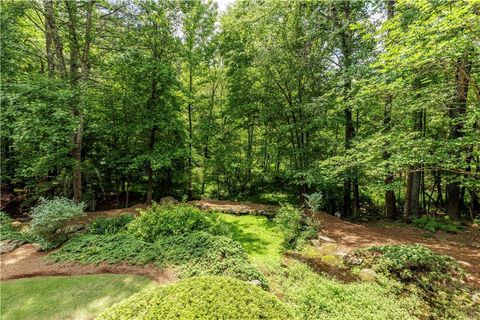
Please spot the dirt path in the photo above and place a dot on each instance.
(27, 261)
(350, 235)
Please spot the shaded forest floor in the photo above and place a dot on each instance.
(463, 247)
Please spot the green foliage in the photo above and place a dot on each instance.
(317, 297)
(168, 220)
(295, 226)
(111, 225)
(50, 215)
(7, 232)
(258, 235)
(201, 298)
(69, 297)
(414, 264)
(201, 253)
(436, 279)
(437, 223)
(111, 249)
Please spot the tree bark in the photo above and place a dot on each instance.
(57, 41)
(390, 201)
(454, 201)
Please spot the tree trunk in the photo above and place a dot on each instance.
(190, 136)
(454, 201)
(390, 201)
(57, 41)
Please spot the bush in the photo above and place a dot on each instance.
(201, 253)
(111, 225)
(7, 232)
(436, 279)
(317, 297)
(170, 220)
(437, 223)
(105, 248)
(201, 298)
(413, 264)
(49, 216)
(295, 226)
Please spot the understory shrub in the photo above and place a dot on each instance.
(437, 223)
(105, 248)
(201, 253)
(7, 232)
(315, 296)
(163, 220)
(111, 225)
(201, 298)
(48, 218)
(295, 226)
(438, 280)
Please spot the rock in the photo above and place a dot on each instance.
(72, 228)
(255, 282)
(168, 200)
(324, 238)
(352, 260)
(367, 275)
(315, 242)
(10, 245)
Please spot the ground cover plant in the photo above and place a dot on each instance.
(201, 298)
(433, 224)
(72, 297)
(111, 249)
(201, 253)
(163, 220)
(436, 279)
(314, 296)
(7, 232)
(111, 225)
(190, 250)
(48, 218)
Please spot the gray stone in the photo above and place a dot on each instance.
(72, 228)
(324, 238)
(367, 275)
(166, 200)
(353, 260)
(10, 245)
(255, 282)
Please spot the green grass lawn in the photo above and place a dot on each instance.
(258, 235)
(75, 297)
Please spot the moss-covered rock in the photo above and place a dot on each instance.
(201, 298)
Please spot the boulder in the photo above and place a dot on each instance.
(368, 275)
(168, 200)
(10, 245)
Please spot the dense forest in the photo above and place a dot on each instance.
(364, 106)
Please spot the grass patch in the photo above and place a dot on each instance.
(259, 236)
(76, 297)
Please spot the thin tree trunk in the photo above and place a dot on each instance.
(390, 201)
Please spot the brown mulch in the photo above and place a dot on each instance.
(27, 261)
(351, 235)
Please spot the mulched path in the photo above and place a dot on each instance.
(27, 261)
(463, 247)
